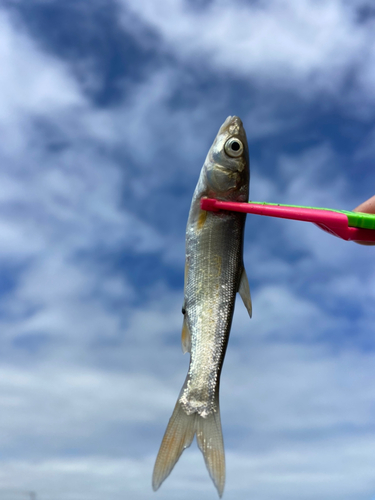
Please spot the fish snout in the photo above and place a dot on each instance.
(232, 126)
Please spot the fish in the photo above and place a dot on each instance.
(214, 273)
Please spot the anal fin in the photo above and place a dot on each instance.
(185, 336)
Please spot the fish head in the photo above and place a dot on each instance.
(227, 162)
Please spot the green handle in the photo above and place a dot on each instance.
(355, 219)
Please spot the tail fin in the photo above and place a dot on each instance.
(180, 434)
(210, 442)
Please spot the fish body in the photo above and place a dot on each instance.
(214, 273)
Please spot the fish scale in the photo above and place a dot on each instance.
(210, 332)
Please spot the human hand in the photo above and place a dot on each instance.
(368, 207)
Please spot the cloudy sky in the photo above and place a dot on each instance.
(107, 110)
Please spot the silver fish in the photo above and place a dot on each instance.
(214, 273)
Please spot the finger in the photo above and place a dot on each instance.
(368, 206)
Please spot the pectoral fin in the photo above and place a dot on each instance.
(185, 337)
(244, 291)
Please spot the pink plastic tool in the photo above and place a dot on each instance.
(350, 226)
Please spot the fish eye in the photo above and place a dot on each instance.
(233, 147)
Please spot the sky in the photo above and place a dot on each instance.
(107, 111)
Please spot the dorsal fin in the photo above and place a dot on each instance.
(244, 291)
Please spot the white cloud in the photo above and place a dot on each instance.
(67, 404)
(309, 470)
(308, 46)
(96, 477)
(297, 401)
(304, 416)
(26, 64)
(32, 84)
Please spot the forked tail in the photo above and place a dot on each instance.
(180, 434)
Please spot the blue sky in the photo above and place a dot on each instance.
(107, 110)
